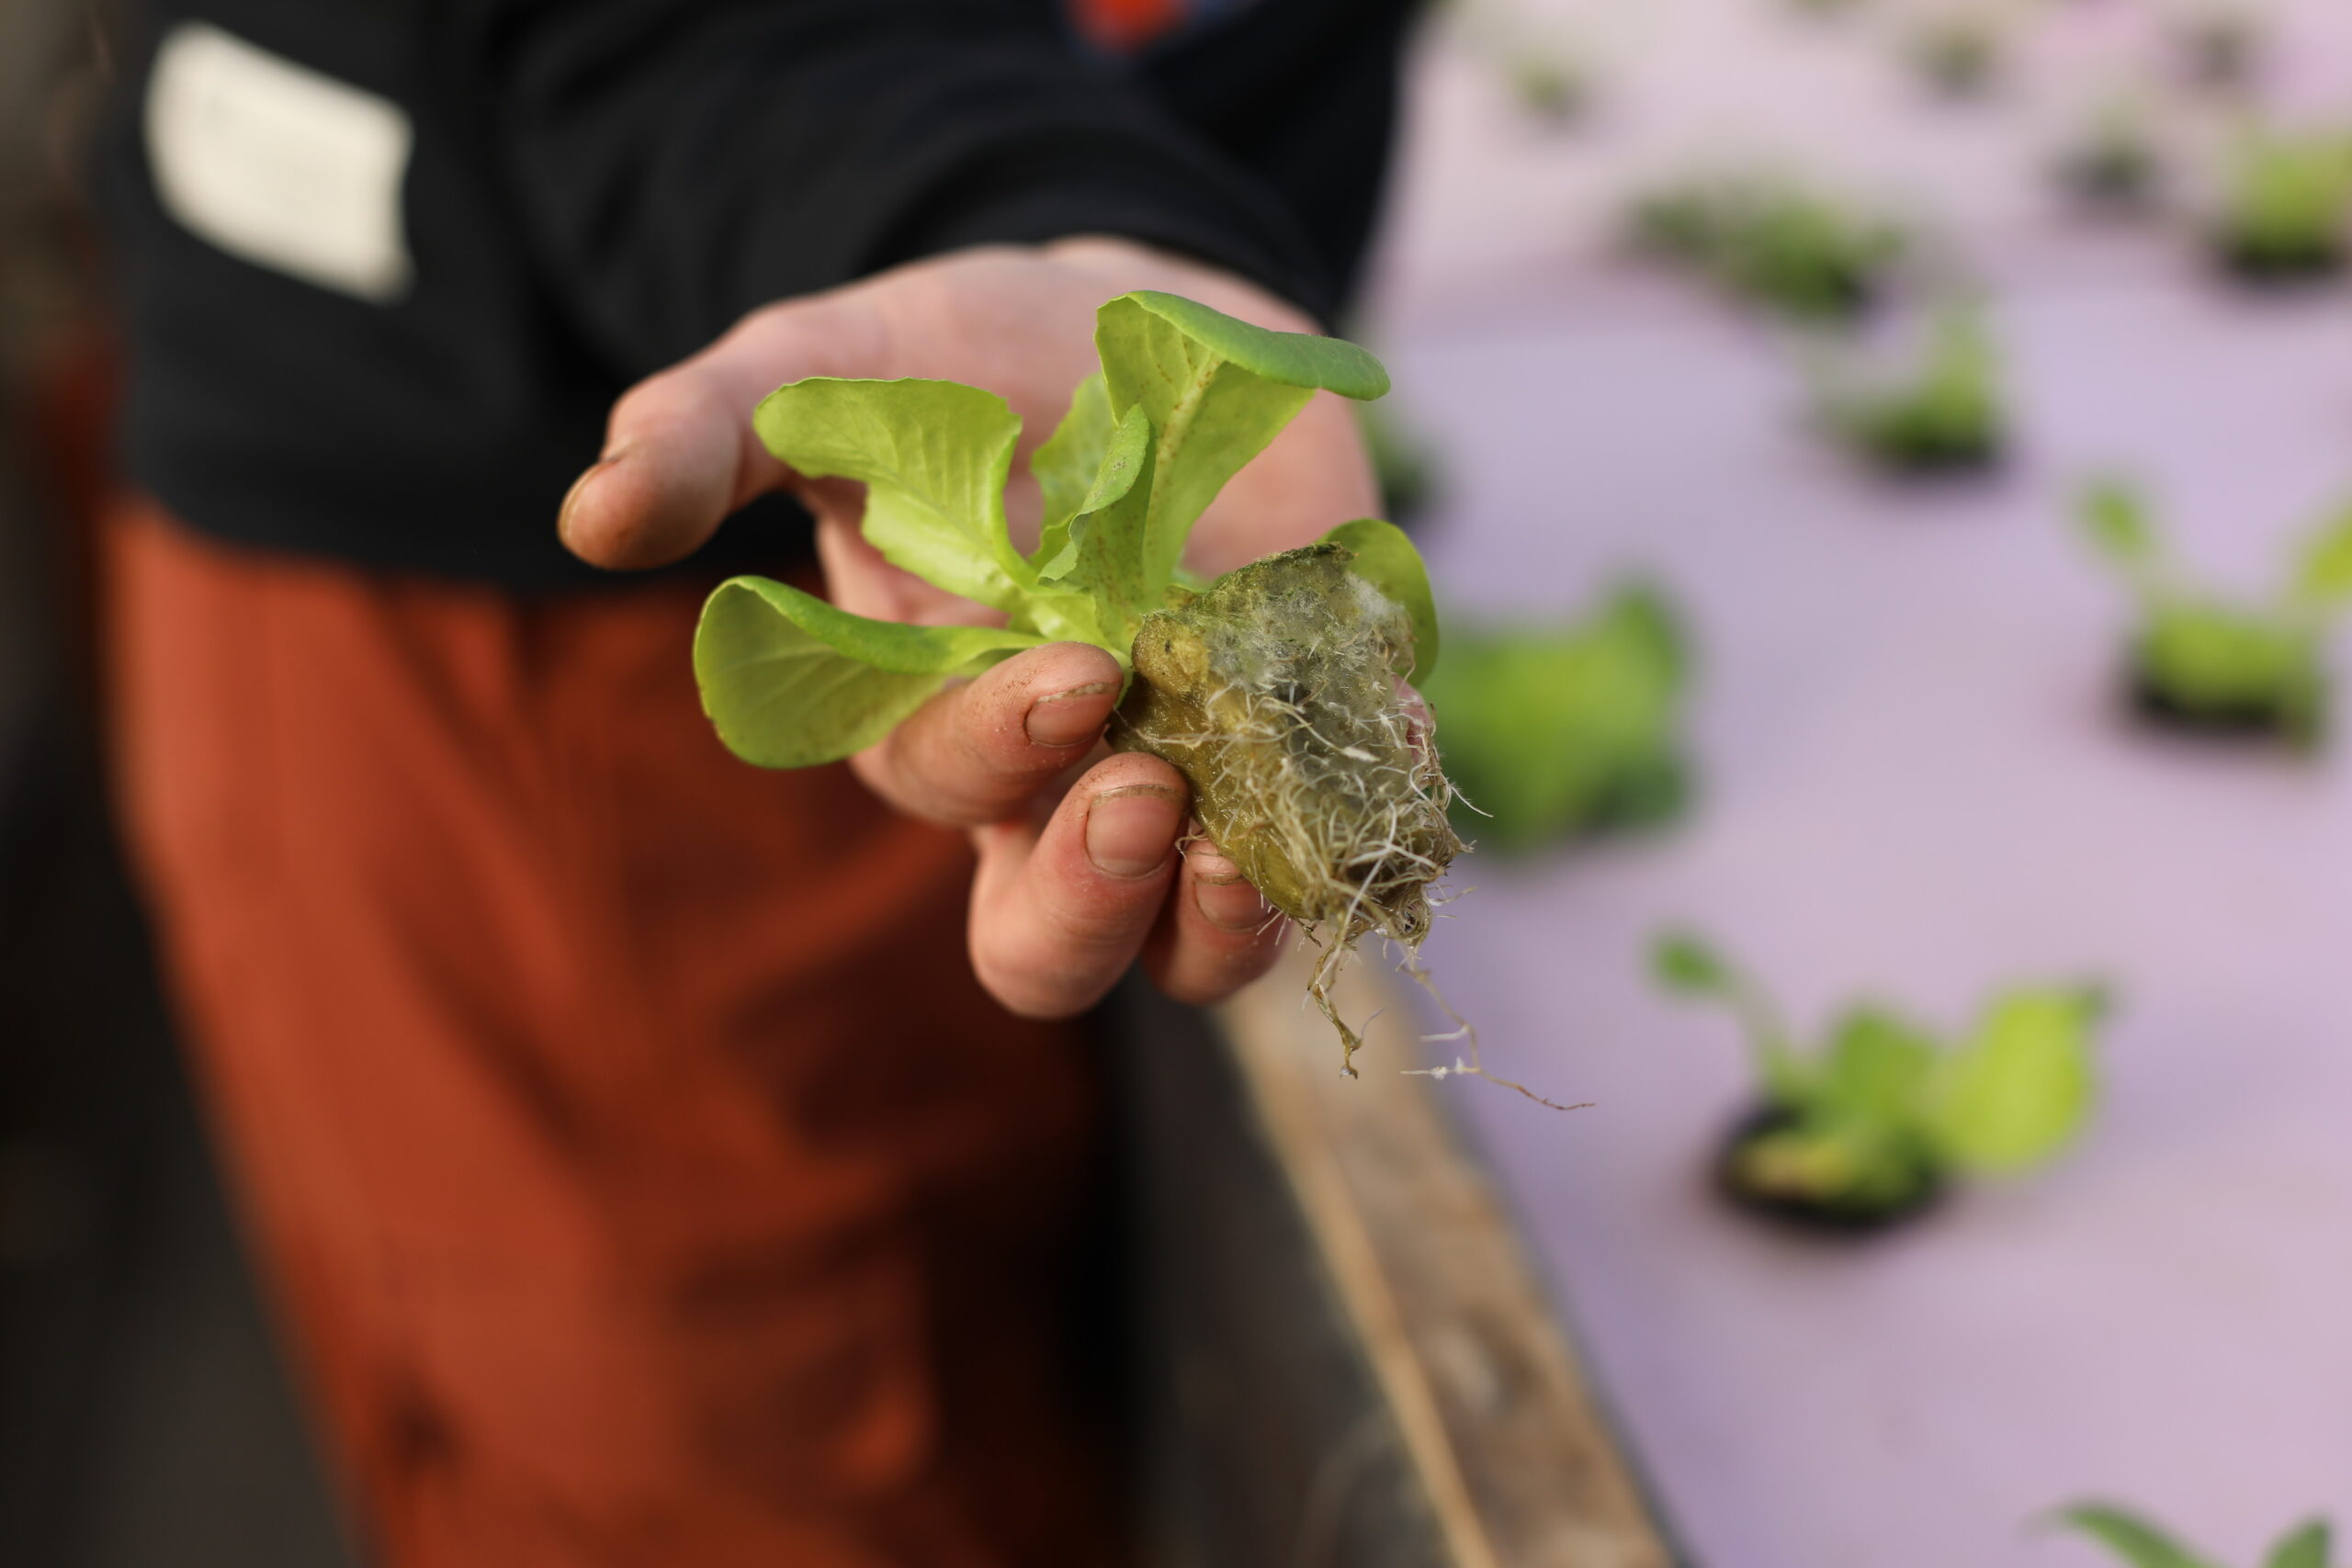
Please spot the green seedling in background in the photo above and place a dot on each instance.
(2285, 202)
(1550, 85)
(1939, 415)
(1276, 690)
(2115, 169)
(1868, 1128)
(1957, 53)
(1776, 245)
(1404, 460)
(2219, 47)
(2144, 1545)
(1555, 732)
(2215, 665)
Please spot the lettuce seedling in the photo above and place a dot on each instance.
(1551, 732)
(2145, 1544)
(2115, 170)
(1957, 53)
(2285, 202)
(1781, 247)
(2217, 666)
(1941, 415)
(2219, 47)
(1550, 85)
(1869, 1129)
(1280, 689)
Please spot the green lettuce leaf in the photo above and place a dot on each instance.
(1386, 557)
(2323, 579)
(1684, 963)
(791, 681)
(1216, 390)
(1876, 1066)
(2306, 1547)
(1108, 535)
(1068, 468)
(2021, 1087)
(2311, 1546)
(2137, 1540)
(932, 456)
(1566, 728)
(2114, 517)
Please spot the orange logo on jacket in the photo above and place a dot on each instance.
(1126, 25)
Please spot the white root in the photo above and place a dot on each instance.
(1312, 764)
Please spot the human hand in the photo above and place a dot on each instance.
(1081, 869)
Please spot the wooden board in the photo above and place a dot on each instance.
(1358, 1365)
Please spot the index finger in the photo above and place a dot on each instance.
(975, 753)
(680, 455)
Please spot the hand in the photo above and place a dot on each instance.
(1081, 867)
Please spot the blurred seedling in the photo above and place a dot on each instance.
(1777, 245)
(1555, 732)
(2285, 202)
(1959, 52)
(1871, 1126)
(2116, 168)
(2219, 47)
(2213, 665)
(1941, 414)
(1551, 87)
(2145, 1544)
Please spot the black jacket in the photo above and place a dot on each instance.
(592, 189)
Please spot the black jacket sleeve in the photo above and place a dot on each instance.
(680, 162)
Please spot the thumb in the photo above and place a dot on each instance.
(680, 454)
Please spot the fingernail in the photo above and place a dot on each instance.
(1129, 831)
(1223, 899)
(1208, 863)
(579, 487)
(1068, 718)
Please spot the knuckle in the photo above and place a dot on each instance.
(1023, 986)
(1208, 970)
(1193, 988)
(921, 776)
(962, 759)
(1087, 925)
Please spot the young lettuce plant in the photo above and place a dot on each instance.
(1553, 732)
(2285, 202)
(1279, 690)
(2214, 666)
(1778, 247)
(1869, 1129)
(2145, 1544)
(2219, 47)
(1957, 53)
(1552, 86)
(2115, 169)
(1940, 415)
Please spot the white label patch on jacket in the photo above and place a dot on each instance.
(279, 164)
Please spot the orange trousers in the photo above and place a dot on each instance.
(642, 1176)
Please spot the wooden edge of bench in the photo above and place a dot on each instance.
(1520, 1464)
